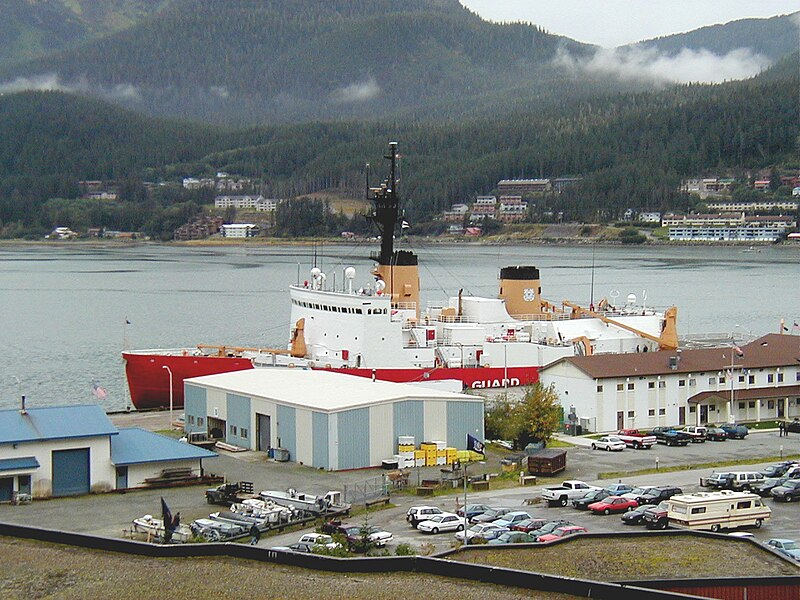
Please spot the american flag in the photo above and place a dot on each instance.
(98, 392)
(739, 351)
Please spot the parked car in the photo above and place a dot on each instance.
(509, 519)
(473, 510)
(590, 498)
(715, 434)
(655, 517)
(319, 539)
(488, 536)
(736, 432)
(788, 492)
(635, 516)
(793, 426)
(491, 515)
(778, 469)
(417, 514)
(657, 494)
(442, 522)
(670, 436)
(513, 537)
(788, 547)
(613, 504)
(609, 443)
(764, 488)
(567, 491)
(549, 527)
(360, 539)
(735, 480)
(296, 547)
(617, 489)
(636, 439)
(698, 433)
(638, 492)
(561, 532)
(479, 529)
(528, 525)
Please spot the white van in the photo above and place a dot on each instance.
(713, 511)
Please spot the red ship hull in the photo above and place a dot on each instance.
(148, 380)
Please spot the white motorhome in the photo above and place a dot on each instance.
(713, 511)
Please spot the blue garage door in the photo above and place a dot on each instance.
(71, 472)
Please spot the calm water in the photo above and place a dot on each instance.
(64, 307)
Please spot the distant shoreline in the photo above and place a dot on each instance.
(493, 241)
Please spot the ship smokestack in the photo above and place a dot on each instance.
(521, 289)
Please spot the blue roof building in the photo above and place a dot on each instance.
(72, 450)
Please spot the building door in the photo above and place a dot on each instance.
(781, 410)
(24, 484)
(703, 414)
(264, 432)
(681, 415)
(71, 472)
(6, 489)
(122, 478)
(620, 419)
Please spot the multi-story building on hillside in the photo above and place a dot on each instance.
(246, 202)
(754, 207)
(512, 209)
(522, 186)
(727, 227)
(484, 206)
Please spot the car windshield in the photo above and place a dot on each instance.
(791, 546)
(639, 490)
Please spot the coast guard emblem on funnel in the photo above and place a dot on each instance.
(528, 295)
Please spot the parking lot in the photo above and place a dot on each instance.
(111, 514)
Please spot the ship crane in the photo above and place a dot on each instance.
(668, 340)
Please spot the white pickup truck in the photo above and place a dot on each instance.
(566, 492)
(697, 432)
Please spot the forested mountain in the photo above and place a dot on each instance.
(33, 28)
(774, 37)
(290, 60)
(631, 150)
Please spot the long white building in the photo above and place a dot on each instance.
(613, 391)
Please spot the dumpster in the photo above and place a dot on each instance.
(281, 454)
(547, 461)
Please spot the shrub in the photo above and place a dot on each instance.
(405, 550)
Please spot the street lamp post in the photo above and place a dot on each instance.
(171, 392)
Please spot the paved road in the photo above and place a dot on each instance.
(111, 514)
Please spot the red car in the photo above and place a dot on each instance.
(613, 504)
(561, 532)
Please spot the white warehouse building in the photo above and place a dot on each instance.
(326, 420)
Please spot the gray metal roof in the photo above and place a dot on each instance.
(135, 446)
(52, 423)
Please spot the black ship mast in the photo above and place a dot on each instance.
(386, 214)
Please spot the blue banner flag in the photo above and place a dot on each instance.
(475, 444)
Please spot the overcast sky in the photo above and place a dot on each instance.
(611, 23)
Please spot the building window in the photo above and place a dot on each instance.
(681, 383)
(741, 378)
(712, 380)
(797, 376)
(692, 382)
(201, 421)
(662, 412)
(651, 385)
(620, 387)
(191, 419)
(662, 384)
(692, 409)
(233, 429)
(770, 404)
(780, 377)
(651, 412)
(631, 414)
(751, 379)
(722, 380)
(631, 386)
(751, 404)
(599, 388)
(770, 378)
(741, 405)
(243, 433)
